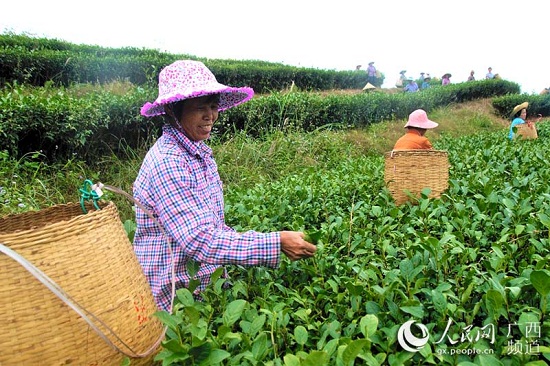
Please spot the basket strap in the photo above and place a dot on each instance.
(161, 228)
(80, 310)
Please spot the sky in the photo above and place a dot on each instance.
(430, 36)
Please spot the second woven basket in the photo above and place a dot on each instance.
(526, 131)
(408, 172)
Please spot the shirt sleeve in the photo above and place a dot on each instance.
(427, 144)
(186, 209)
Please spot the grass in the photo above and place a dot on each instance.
(30, 184)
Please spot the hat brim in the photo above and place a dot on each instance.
(369, 86)
(519, 107)
(229, 97)
(427, 125)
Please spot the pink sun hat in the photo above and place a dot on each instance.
(419, 119)
(185, 79)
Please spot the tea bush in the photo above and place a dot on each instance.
(471, 266)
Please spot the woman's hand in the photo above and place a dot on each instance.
(295, 247)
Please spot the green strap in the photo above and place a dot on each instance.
(89, 192)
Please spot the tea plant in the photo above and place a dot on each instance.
(470, 266)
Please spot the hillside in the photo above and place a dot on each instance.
(455, 120)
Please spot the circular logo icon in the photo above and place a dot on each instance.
(409, 341)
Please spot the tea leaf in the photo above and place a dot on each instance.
(300, 333)
(368, 324)
(316, 358)
(541, 281)
(494, 302)
(233, 312)
(313, 236)
(528, 324)
(216, 356)
(352, 350)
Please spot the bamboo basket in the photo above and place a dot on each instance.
(72, 290)
(526, 131)
(408, 172)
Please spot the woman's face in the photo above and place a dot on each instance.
(523, 114)
(198, 116)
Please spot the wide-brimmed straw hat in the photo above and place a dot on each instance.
(369, 86)
(519, 107)
(185, 79)
(447, 75)
(419, 119)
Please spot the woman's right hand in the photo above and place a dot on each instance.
(295, 247)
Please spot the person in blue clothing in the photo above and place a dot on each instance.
(489, 74)
(426, 83)
(518, 116)
(411, 86)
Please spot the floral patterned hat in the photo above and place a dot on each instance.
(185, 79)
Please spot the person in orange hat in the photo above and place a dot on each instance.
(416, 126)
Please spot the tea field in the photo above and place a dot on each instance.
(459, 280)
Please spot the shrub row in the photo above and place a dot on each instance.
(62, 122)
(36, 61)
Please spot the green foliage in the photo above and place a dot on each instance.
(61, 123)
(67, 122)
(538, 104)
(478, 255)
(36, 61)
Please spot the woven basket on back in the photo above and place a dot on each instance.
(526, 131)
(98, 310)
(410, 171)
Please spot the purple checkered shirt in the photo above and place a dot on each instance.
(179, 184)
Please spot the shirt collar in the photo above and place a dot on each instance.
(195, 148)
(413, 131)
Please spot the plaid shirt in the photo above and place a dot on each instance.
(179, 184)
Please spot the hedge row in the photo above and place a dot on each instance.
(62, 122)
(37, 61)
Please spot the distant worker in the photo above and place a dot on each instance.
(471, 77)
(416, 126)
(519, 117)
(371, 73)
(401, 80)
(426, 83)
(358, 68)
(489, 74)
(446, 79)
(411, 86)
(369, 87)
(545, 91)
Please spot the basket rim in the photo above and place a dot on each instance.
(90, 214)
